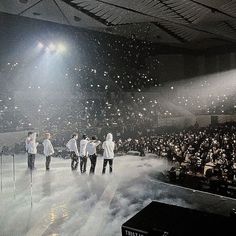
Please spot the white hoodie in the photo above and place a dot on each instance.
(47, 148)
(32, 146)
(108, 147)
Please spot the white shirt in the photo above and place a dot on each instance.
(32, 146)
(47, 148)
(27, 141)
(91, 147)
(83, 145)
(72, 146)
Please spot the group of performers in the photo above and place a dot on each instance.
(88, 149)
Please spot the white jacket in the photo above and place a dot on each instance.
(72, 146)
(82, 148)
(108, 147)
(32, 146)
(47, 148)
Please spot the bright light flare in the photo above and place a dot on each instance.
(47, 50)
(40, 45)
(61, 48)
(52, 47)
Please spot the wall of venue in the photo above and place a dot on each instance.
(202, 120)
(174, 67)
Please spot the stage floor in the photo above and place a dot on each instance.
(62, 202)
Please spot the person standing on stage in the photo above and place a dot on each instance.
(32, 150)
(27, 141)
(47, 150)
(83, 154)
(92, 153)
(74, 153)
(108, 153)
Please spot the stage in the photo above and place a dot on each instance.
(62, 202)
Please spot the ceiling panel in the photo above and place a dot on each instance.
(170, 21)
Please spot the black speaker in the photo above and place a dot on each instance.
(160, 219)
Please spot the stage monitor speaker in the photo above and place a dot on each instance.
(133, 153)
(160, 219)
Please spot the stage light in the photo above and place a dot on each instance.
(40, 45)
(52, 47)
(61, 47)
(47, 49)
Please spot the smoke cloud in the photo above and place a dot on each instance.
(66, 203)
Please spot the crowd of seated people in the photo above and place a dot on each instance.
(204, 97)
(76, 112)
(212, 104)
(118, 110)
(97, 98)
(209, 153)
(11, 117)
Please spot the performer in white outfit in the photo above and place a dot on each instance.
(108, 153)
(27, 141)
(48, 150)
(74, 153)
(92, 153)
(32, 150)
(83, 154)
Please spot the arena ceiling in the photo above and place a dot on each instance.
(184, 22)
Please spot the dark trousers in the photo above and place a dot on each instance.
(93, 159)
(105, 164)
(74, 161)
(142, 153)
(48, 160)
(83, 164)
(28, 160)
(31, 159)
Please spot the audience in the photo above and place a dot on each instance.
(116, 101)
(111, 98)
(204, 152)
